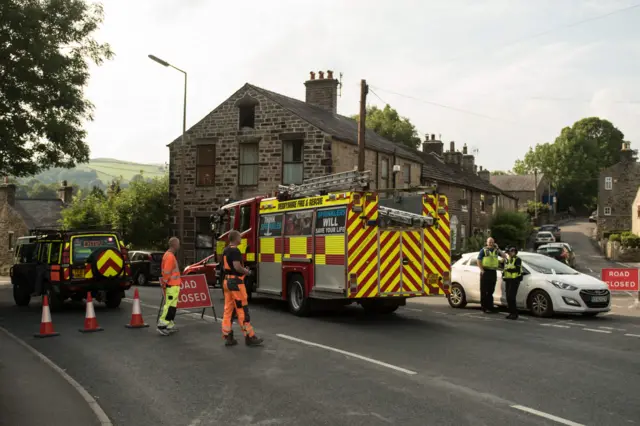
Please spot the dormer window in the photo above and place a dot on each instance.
(246, 112)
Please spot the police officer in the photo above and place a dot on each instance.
(489, 262)
(512, 277)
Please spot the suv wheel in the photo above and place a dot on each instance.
(56, 302)
(141, 279)
(114, 298)
(21, 295)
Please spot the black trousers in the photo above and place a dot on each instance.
(512, 291)
(487, 287)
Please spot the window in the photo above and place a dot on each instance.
(248, 173)
(82, 247)
(454, 233)
(205, 165)
(464, 194)
(271, 225)
(54, 253)
(247, 116)
(245, 217)
(463, 236)
(473, 261)
(384, 174)
(406, 172)
(482, 203)
(43, 254)
(292, 170)
(10, 241)
(210, 261)
(608, 183)
(298, 223)
(204, 239)
(607, 211)
(494, 206)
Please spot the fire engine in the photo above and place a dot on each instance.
(330, 239)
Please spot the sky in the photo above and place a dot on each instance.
(498, 75)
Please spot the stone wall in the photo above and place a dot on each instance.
(10, 221)
(625, 183)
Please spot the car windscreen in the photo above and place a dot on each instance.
(546, 265)
(83, 246)
(548, 227)
(552, 251)
(544, 235)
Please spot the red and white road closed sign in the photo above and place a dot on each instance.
(621, 279)
(194, 292)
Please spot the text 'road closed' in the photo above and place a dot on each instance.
(621, 279)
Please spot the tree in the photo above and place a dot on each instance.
(46, 47)
(388, 123)
(510, 228)
(573, 161)
(500, 173)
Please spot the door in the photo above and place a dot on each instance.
(471, 279)
(389, 261)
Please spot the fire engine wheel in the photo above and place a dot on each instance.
(299, 304)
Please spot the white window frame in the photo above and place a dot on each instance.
(607, 209)
(608, 183)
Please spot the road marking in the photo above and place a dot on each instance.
(590, 270)
(596, 330)
(440, 313)
(555, 325)
(632, 335)
(93, 404)
(546, 415)
(613, 328)
(416, 310)
(349, 354)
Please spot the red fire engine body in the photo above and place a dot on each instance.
(341, 247)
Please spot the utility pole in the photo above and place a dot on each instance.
(362, 119)
(535, 193)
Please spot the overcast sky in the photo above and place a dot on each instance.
(476, 56)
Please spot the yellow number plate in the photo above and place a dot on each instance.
(78, 273)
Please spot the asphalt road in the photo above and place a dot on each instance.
(588, 259)
(426, 364)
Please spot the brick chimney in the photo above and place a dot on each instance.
(468, 160)
(7, 193)
(484, 174)
(453, 157)
(65, 192)
(322, 92)
(432, 145)
(626, 153)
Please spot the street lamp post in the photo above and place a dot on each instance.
(182, 153)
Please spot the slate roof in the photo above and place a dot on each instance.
(39, 212)
(338, 126)
(516, 182)
(436, 169)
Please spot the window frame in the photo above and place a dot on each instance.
(200, 165)
(608, 183)
(241, 164)
(605, 211)
(384, 177)
(286, 163)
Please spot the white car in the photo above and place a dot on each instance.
(544, 237)
(548, 286)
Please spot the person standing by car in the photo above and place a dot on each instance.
(489, 262)
(235, 294)
(512, 277)
(170, 282)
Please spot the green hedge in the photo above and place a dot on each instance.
(626, 239)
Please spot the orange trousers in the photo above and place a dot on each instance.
(235, 298)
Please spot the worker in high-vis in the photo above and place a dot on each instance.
(170, 282)
(235, 294)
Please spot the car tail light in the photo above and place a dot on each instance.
(65, 258)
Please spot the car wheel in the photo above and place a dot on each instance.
(457, 297)
(299, 304)
(141, 279)
(113, 299)
(590, 314)
(21, 295)
(540, 304)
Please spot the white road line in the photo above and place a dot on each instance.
(546, 415)
(613, 328)
(590, 270)
(349, 354)
(632, 335)
(596, 330)
(93, 404)
(440, 313)
(555, 325)
(416, 310)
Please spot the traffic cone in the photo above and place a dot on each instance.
(90, 321)
(46, 326)
(136, 314)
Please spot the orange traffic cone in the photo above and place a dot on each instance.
(46, 326)
(136, 314)
(90, 321)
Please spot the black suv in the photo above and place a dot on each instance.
(145, 266)
(66, 264)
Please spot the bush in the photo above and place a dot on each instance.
(474, 243)
(630, 240)
(510, 229)
(614, 237)
(531, 207)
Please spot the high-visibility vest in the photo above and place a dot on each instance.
(511, 271)
(490, 259)
(170, 270)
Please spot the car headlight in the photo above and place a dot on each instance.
(563, 286)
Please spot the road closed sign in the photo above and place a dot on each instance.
(621, 279)
(194, 292)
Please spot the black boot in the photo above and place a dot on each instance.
(229, 340)
(253, 340)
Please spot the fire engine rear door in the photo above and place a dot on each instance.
(401, 262)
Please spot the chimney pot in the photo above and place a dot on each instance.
(320, 75)
(480, 168)
(464, 149)
(330, 75)
(433, 137)
(312, 75)
(452, 146)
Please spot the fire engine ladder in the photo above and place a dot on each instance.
(353, 180)
(405, 218)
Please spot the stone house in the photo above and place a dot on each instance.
(18, 216)
(635, 214)
(617, 188)
(258, 139)
(472, 198)
(525, 187)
